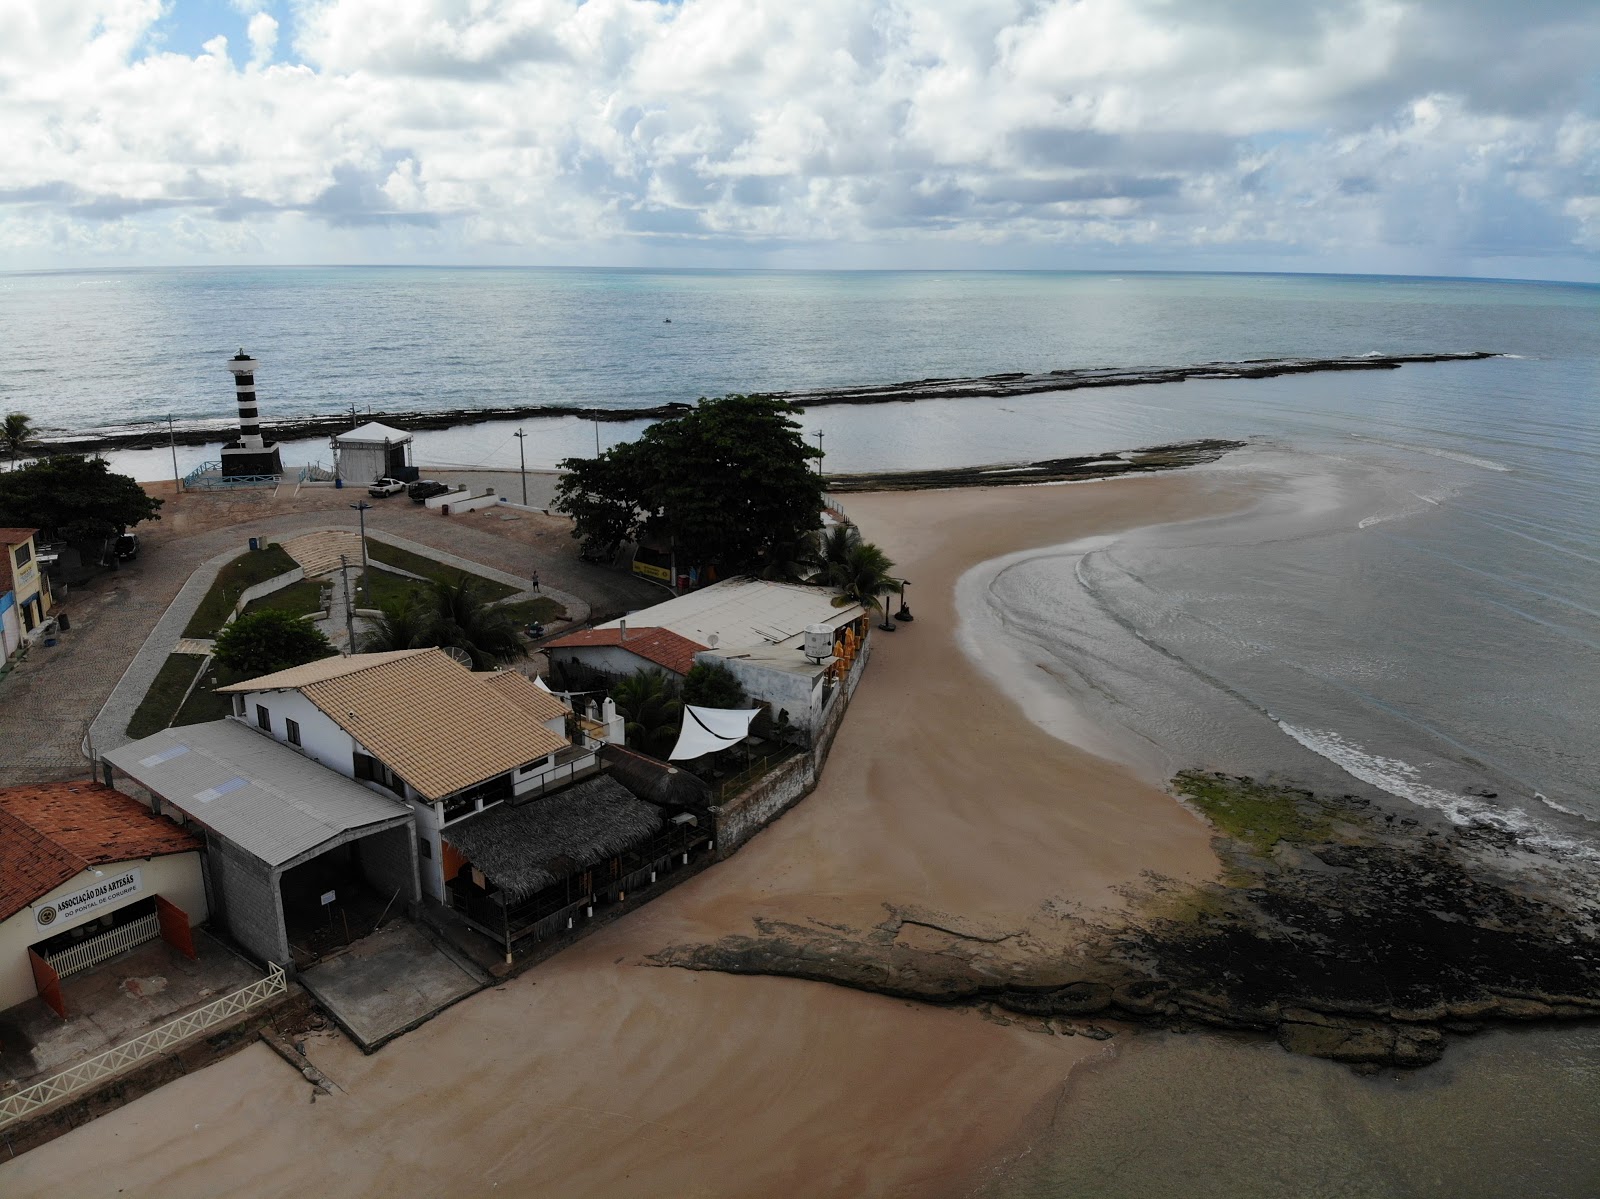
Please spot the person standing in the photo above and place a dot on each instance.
(536, 580)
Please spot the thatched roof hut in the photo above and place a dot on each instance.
(526, 847)
(655, 782)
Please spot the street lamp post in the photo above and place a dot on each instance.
(523, 461)
(819, 453)
(361, 511)
(905, 610)
(887, 623)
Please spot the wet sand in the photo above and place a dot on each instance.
(598, 1073)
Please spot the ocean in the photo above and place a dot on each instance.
(1411, 600)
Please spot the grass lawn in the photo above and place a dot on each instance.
(204, 703)
(248, 569)
(385, 586)
(379, 551)
(156, 709)
(541, 609)
(302, 599)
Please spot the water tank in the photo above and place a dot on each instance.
(819, 641)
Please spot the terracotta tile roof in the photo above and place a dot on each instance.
(432, 721)
(16, 536)
(315, 672)
(518, 689)
(661, 646)
(52, 831)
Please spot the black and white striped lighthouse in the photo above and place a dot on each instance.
(250, 455)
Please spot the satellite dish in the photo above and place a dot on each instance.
(712, 640)
(459, 654)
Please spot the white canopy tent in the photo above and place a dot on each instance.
(706, 730)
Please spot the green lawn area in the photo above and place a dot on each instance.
(385, 586)
(541, 609)
(302, 599)
(380, 551)
(204, 703)
(155, 710)
(248, 569)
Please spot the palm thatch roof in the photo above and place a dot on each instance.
(653, 781)
(524, 848)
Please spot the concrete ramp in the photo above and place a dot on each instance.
(389, 983)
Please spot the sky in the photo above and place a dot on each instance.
(1437, 137)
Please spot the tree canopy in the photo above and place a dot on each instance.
(73, 498)
(16, 434)
(710, 685)
(262, 642)
(728, 484)
(448, 614)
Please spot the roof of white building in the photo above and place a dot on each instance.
(269, 800)
(739, 613)
(372, 433)
(438, 725)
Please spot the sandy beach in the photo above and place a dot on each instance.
(600, 1073)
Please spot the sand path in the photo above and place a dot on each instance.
(596, 1074)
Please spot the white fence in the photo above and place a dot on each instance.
(107, 945)
(112, 1061)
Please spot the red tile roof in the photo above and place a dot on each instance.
(661, 646)
(52, 831)
(15, 536)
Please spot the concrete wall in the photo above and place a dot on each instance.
(613, 659)
(744, 815)
(389, 860)
(449, 497)
(247, 899)
(176, 876)
(430, 867)
(468, 505)
(785, 690)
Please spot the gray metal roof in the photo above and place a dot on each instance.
(264, 797)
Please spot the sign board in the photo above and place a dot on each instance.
(650, 571)
(102, 893)
(327, 898)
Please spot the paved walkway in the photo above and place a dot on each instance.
(48, 702)
(324, 550)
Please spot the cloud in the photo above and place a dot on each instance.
(1321, 133)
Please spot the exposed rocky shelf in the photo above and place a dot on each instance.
(1343, 930)
(1053, 470)
(1015, 383)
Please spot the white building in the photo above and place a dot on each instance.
(753, 627)
(420, 727)
(371, 452)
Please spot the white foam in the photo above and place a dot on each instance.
(1404, 780)
(1436, 452)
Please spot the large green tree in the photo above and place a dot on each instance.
(262, 642)
(73, 498)
(652, 709)
(728, 484)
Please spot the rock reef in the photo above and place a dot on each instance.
(1016, 383)
(1339, 928)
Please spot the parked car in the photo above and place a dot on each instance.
(426, 489)
(126, 547)
(385, 486)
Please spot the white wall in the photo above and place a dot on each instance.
(613, 659)
(432, 867)
(321, 739)
(176, 876)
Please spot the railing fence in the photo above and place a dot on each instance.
(97, 949)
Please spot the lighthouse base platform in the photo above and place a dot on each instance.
(244, 460)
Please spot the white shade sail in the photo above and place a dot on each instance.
(706, 730)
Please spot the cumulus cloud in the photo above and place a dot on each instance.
(1369, 133)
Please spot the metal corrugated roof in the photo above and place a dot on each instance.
(736, 613)
(264, 797)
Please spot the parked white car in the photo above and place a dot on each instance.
(386, 486)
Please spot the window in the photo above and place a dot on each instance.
(23, 555)
(291, 730)
(426, 846)
(263, 718)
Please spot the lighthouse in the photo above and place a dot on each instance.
(250, 455)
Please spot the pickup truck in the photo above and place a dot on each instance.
(386, 486)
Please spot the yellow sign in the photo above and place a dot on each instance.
(652, 572)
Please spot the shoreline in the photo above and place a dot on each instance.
(939, 800)
(996, 386)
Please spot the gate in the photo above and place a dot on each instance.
(174, 922)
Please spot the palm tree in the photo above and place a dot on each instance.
(16, 434)
(459, 616)
(862, 577)
(405, 624)
(831, 546)
(653, 712)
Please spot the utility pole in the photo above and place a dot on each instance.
(596, 417)
(522, 459)
(172, 440)
(361, 511)
(819, 453)
(349, 608)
